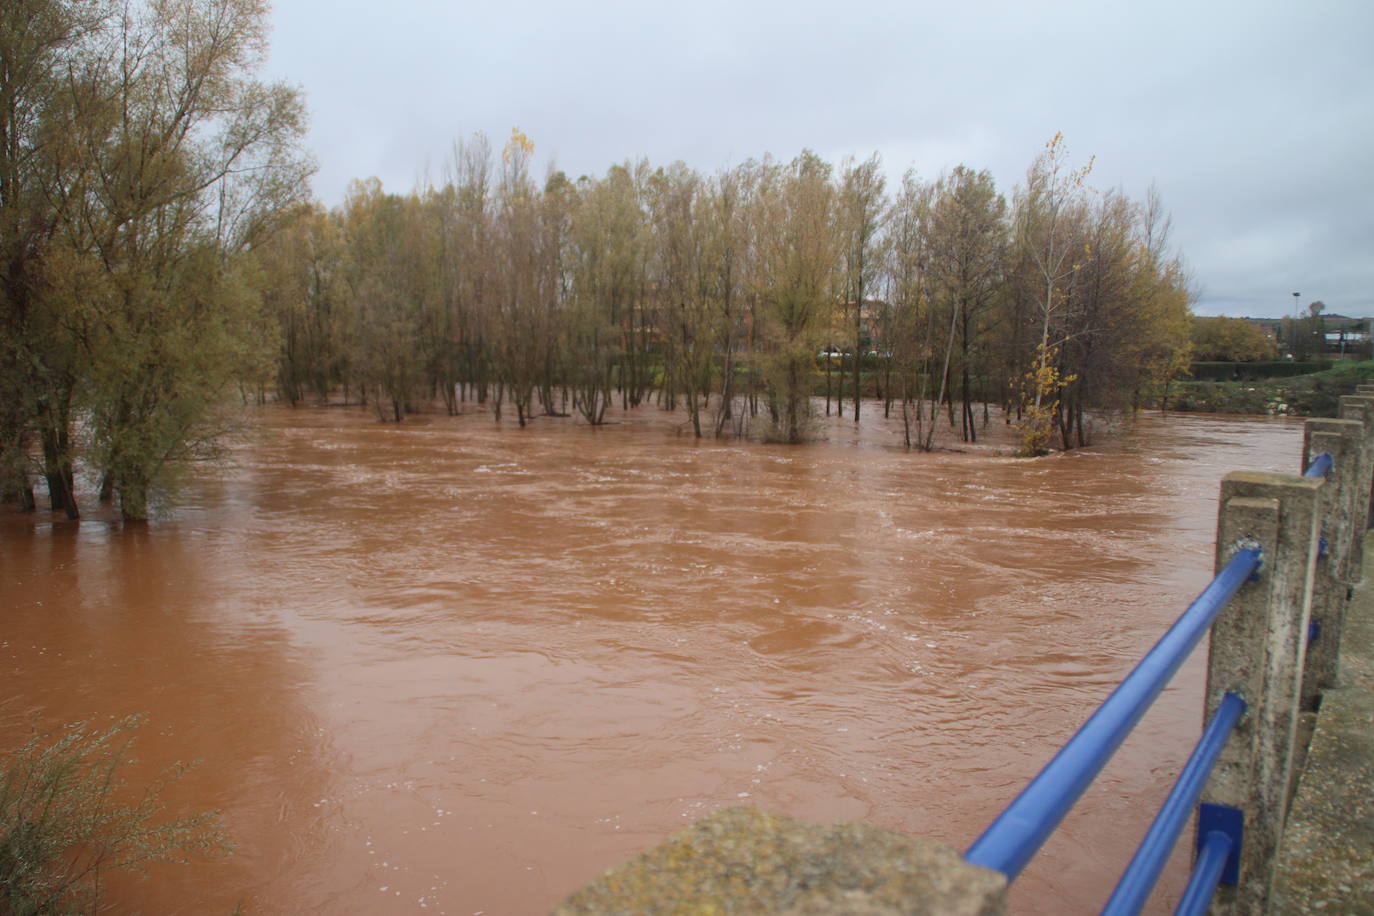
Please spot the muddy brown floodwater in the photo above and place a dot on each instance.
(450, 667)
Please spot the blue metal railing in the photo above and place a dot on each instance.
(1020, 830)
(1320, 466)
(1140, 876)
(1215, 849)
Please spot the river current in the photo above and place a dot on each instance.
(458, 667)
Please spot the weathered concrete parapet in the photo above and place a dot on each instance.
(1360, 407)
(1348, 444)
(1257, 651)
(743, 860)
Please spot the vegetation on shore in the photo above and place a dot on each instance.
(1313, 395)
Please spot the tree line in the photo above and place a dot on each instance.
(160, 259)
(736, 296)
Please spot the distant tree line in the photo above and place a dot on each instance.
(142, 167)
(1309, 335)
(735, 296)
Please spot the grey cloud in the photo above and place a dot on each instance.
(1254, 119)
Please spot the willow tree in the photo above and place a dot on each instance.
(188, 159)
(1231, 340)
(44, 46)
(392, 289)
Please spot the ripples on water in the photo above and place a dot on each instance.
(445, 666)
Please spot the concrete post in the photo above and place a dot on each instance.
(1361, 407)
(1257, 650)
(1345, 441)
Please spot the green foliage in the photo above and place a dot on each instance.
(144, 162)
(1263, 369)
(66, 818)
(796, 284)
(1314, 395)
(1042, 389)
(1225, 339)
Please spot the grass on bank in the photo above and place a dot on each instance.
(1315, 395)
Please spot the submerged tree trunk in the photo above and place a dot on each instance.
(828, 369)
(57, 459)
(133, 497)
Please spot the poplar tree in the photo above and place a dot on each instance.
(796, 284)
(607, 263)
(682, 283)
(966, 247)
(518, 275)
(860, 213)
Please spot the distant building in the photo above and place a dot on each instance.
(1347, 335)
(1343, 337)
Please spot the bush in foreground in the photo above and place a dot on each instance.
(67, 819)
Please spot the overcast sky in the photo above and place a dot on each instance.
(1255, 119)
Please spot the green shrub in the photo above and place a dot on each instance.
(1260, 369)
(65, 821)
(1314, 395)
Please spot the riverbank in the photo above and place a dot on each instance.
(1314, 395)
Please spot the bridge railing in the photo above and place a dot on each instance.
(1287, 555)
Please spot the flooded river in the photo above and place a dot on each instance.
(459, 668)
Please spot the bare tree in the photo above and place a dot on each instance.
(1049, 208)
(966, 244)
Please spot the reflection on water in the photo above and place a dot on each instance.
(454, 667)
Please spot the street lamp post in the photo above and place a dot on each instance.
(1297, 332)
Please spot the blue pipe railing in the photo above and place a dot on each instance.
(1149, 860)
(1320, 466)
(1020, 830)
(1216, 848)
